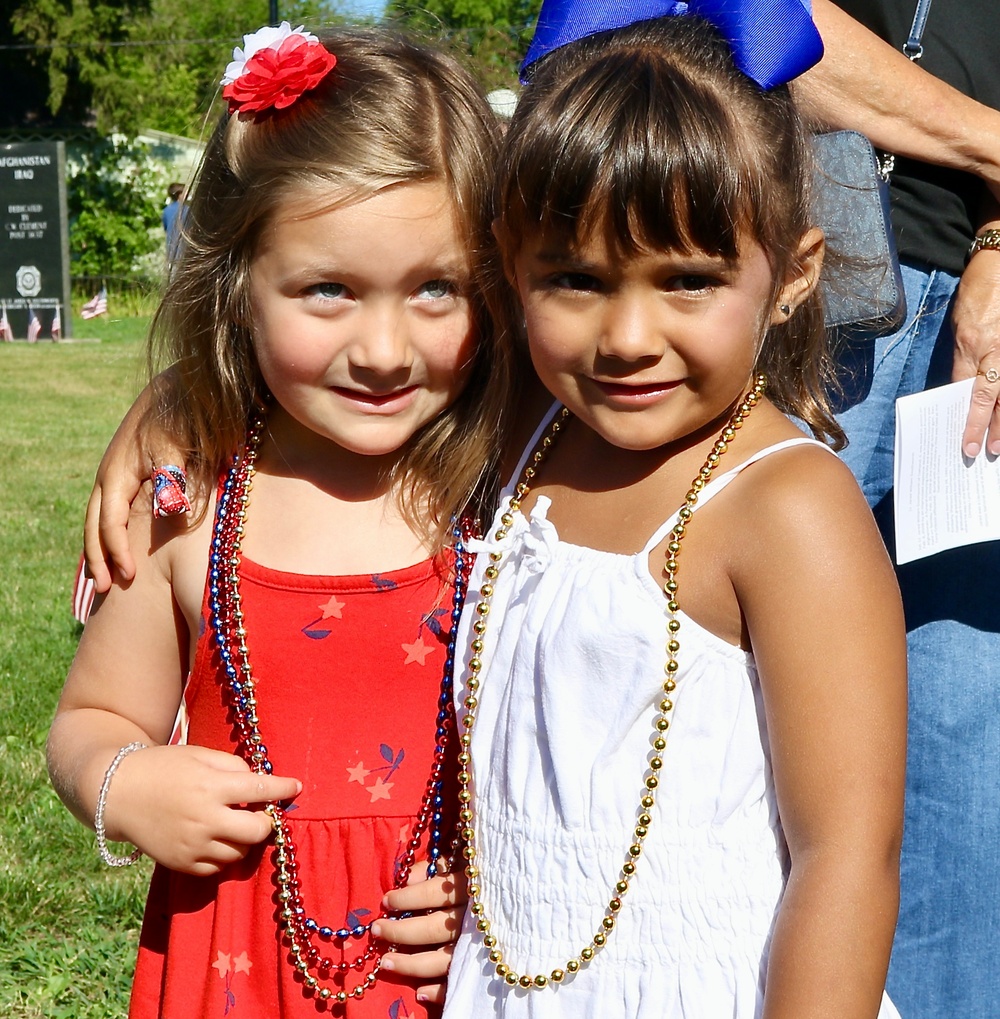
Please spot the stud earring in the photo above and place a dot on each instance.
(785, 309)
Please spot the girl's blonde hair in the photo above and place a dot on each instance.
(391, 112)
(650, 134)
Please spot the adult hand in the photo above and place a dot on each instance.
(976, 324)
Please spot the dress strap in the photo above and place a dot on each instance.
(720, 481)
(529, 449)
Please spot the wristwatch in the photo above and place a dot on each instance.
(988, 239)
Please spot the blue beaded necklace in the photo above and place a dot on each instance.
(225, 605)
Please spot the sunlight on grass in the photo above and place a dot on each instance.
(68, 925)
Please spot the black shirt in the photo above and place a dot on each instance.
(935, 211)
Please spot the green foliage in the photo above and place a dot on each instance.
(139, 64)
(68, 925)
(145, 63)
(92, 45)
(145, 89)
(492, 35)
(115, 200)
(59, 26)
(468, 14)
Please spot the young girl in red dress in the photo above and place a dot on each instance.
(335, 392)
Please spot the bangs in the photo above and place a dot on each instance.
(651, 139)
(634, 146)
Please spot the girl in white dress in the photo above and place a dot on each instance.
(683, 731)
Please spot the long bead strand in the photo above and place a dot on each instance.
(661, 723)
(227, 616)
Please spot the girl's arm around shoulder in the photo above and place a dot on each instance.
(824, 618)
(124, 686)
(124, 468)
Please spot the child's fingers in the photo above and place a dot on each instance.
(241, 785)
(245, 828)
(113, 517)
(238, 831)
(93, 550)
(435, 928)
(105, 537)
(256, 788)
(221, 854)
(433, 994)
(432, 893)
(429, 966)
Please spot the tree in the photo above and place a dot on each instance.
(493, 34)
(23, 83)
(115, 197)
(75, 41)
(142, 63)
(171, 86)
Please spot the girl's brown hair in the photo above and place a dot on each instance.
(391, 112)
(650, 134)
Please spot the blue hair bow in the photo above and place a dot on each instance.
(773, 41)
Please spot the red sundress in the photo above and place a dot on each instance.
(348, 673)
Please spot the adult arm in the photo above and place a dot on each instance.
(867, 85)
(824, 618)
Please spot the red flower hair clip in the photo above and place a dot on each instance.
(273, 68)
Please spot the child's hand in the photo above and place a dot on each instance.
(185, 806)
(120, 475)
(443, 898)
(124, 468)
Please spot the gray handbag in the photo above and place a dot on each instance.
(862, 284)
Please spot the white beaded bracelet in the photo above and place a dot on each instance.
(102, 798)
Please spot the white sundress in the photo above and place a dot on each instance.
(573, 667)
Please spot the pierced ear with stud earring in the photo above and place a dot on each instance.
(785, 309)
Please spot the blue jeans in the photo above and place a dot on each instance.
(946, 956)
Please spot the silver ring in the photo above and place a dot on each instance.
(991, 374)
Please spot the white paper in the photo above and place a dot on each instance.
(942, 498)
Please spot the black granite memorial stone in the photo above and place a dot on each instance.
(34, 242)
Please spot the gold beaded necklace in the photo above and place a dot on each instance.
(660, 724)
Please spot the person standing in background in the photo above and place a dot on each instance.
(940, 117)
(174, 215)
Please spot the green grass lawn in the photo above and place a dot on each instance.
(68, 925)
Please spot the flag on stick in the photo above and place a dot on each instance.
(83, 593)
(34, 326)
(56, 325)
(6, 333)
(97, 305)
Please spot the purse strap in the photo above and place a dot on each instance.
(913, 47)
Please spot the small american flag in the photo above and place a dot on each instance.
(97, 305)
(6, 333)
(83, 593)
(56, 325)
(34, 326)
